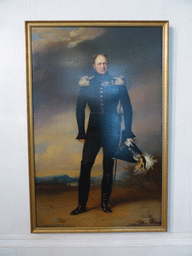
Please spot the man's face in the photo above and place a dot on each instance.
(100, 65)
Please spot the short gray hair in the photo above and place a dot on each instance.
(96, 55)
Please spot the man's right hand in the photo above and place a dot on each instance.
(81, 137)
(82, 141)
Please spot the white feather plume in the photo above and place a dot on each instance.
(149, 161)
(141, 166)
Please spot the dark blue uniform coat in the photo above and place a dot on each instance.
(102, 93)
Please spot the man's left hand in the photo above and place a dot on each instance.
(129, 142)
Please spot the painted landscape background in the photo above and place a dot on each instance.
(135, 201)
(60, 56)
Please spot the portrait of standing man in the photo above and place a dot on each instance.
(102, 93)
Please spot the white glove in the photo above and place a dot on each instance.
(129, 142)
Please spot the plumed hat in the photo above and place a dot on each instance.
(131, 153)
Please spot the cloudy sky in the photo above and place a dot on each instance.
(60, 56)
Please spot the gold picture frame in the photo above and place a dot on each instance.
(58, 54)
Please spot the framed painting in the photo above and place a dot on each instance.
(97, 96)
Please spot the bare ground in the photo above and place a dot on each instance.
(130, 207)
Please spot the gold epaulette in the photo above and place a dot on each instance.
(118, 80)
(85, 80)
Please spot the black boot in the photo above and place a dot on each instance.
(104, 204)
(106, 185)
(78, 210)
(83, 188)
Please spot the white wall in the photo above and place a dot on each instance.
(15, 236)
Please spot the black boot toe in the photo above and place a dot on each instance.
(78, 210)
(106, 208)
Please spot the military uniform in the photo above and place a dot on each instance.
(102, 93)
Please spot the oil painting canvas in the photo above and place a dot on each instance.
(97, 125)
